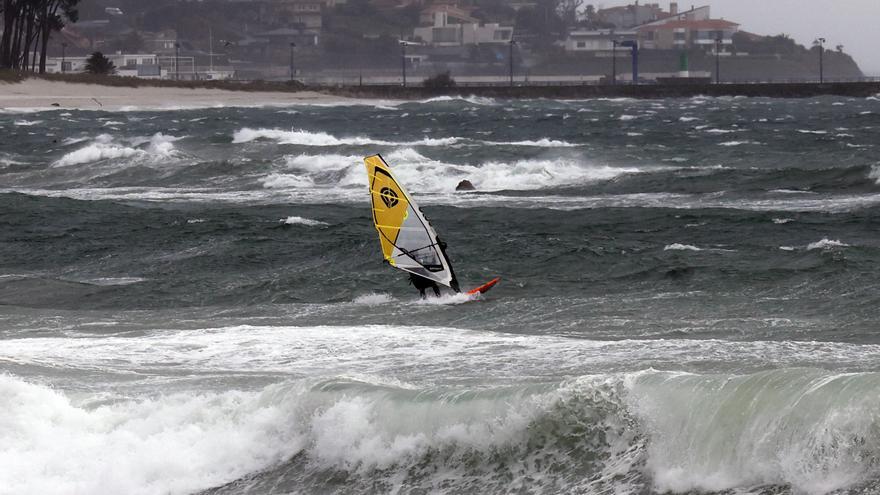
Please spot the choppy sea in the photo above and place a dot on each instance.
(194, 300)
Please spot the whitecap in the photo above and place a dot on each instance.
(302, 221)
(681, 247)
(307, 138)
(826, 243)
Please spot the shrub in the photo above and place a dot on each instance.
(442, 80)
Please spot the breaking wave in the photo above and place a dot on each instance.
(681, 247)
(810, 430)
(105, 147)
(307, 138)
(302, 221)
(826, 244)
(426, 174)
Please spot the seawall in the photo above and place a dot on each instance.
(648, 91)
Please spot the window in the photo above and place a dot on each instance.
(679, 36)
(501, 35)
(581, 44)
(445, 34)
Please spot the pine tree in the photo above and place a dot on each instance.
(97, 63)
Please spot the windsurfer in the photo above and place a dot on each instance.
(423, 284)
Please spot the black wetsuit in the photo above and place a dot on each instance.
(423, 284)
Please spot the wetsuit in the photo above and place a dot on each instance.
(423, 284)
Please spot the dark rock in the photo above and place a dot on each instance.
(465, 185)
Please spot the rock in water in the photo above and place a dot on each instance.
(465, 185)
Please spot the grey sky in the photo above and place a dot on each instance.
(852, 23)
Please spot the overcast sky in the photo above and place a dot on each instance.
(851, 23)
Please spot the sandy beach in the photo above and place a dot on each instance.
(35, 94)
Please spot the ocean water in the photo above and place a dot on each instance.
(194, 301)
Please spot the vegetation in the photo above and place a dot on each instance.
(98, 64)
(9, 76)
(27, 25)
(442, 80)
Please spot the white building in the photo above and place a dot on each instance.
(443, 31)
(464, 34)
(596, 41)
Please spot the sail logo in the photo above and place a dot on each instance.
(389, 197)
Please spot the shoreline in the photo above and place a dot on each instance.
(35, 94)
(40, 94)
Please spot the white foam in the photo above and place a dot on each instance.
(27, 123)
(97, 152)
(105, 147)
(875, 174)
(307, 138)
(543, 142)
(474, 100)
(302, 221)
(426, 175)
(681, 247)
(373, 299)
(782, 221)
(826, 243)
(175, 443)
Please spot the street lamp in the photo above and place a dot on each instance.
(614, 44)
(292, 46)
(821, 44)
(510, 56)
(718, 42)
(63, 56)
(403, 45)
(403, 61)
(176, 61)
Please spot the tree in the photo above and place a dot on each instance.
(27, 26)
(97, 63)
(567, 11)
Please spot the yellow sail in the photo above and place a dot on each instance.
(407, 239)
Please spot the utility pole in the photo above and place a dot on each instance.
(635, 55)
(718, 42)
(403, 61)
(211, 37)
(821, 44)
(510, 56)
(292, 46)
(63, 56)
(177, 61)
